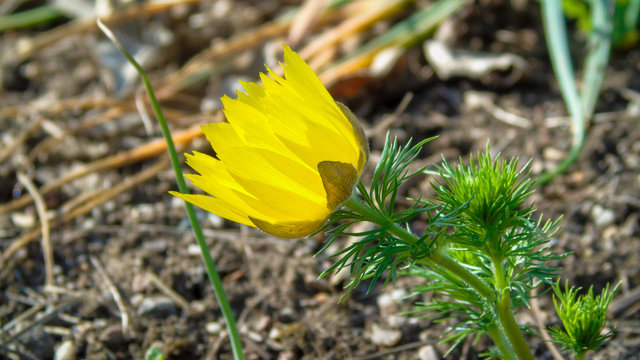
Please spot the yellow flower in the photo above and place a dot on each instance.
(286, 157)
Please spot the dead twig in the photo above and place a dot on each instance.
(351, 25)
(41, 209)
(106, 195)
(50, 314)
(537, 314)
(177, 298)
(304, 21)
(124, 312)
(21, 138)
(151, 148)
(84, 26)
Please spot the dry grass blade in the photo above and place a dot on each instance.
(307, 17)
(50, 314)
(8, 150)
(150, 149)
(46, 145)
(58, 106)
(124, 311)
(82, 27)
(351, 25)
(103, 197)
(41, 208)
(202, 65)
(177, 298)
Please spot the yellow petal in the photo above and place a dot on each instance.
(289, 230)
(215, 206)
(286, 157)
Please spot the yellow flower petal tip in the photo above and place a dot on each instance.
(286, 158)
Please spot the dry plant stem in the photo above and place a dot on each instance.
(45, 145)
(214, 277)
(202, 65)
(92, 103)
(177, 298)
(402, 35)
(124, 314)
(106, 195)
(82, 27)
(304, 21)
(350, 26)
(535, 309)
(21, 138)
(439, 261)
(41, 208)
(151, 148)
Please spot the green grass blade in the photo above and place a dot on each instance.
(409, 31)
(214, 277)
(555, 31)
(31, 17)
(599, 47)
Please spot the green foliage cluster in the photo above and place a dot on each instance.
(583, 318)
(497, 234)
(483, 251)
(385, 246)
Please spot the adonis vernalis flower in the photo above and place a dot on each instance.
(286, 157)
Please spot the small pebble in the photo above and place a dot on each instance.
(602, 216)
(553, 154)
(428, 352)
(384, 301)
(66, 351)
(157, 307)
(215, 220)
(397, 321)
(213, 328)
(23, 220)
(384, 337)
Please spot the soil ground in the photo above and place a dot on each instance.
(132, 255)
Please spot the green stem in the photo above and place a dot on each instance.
(511, 328)
(502, 343)
(436, 260)
(505, 312)
(440, 260)
(214, 277)
(443, 260)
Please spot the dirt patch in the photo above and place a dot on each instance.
(127, 271)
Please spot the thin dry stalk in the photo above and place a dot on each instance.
(177, 298)
(58, 106)
(124, 312)
(535, 309)
(21, 138)
(145, 151)
(305, 20)
(41, 209)
(85, 26)
(105, 196)
(203, 64)
(350, 26)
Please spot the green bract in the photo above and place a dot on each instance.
(583, 318)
